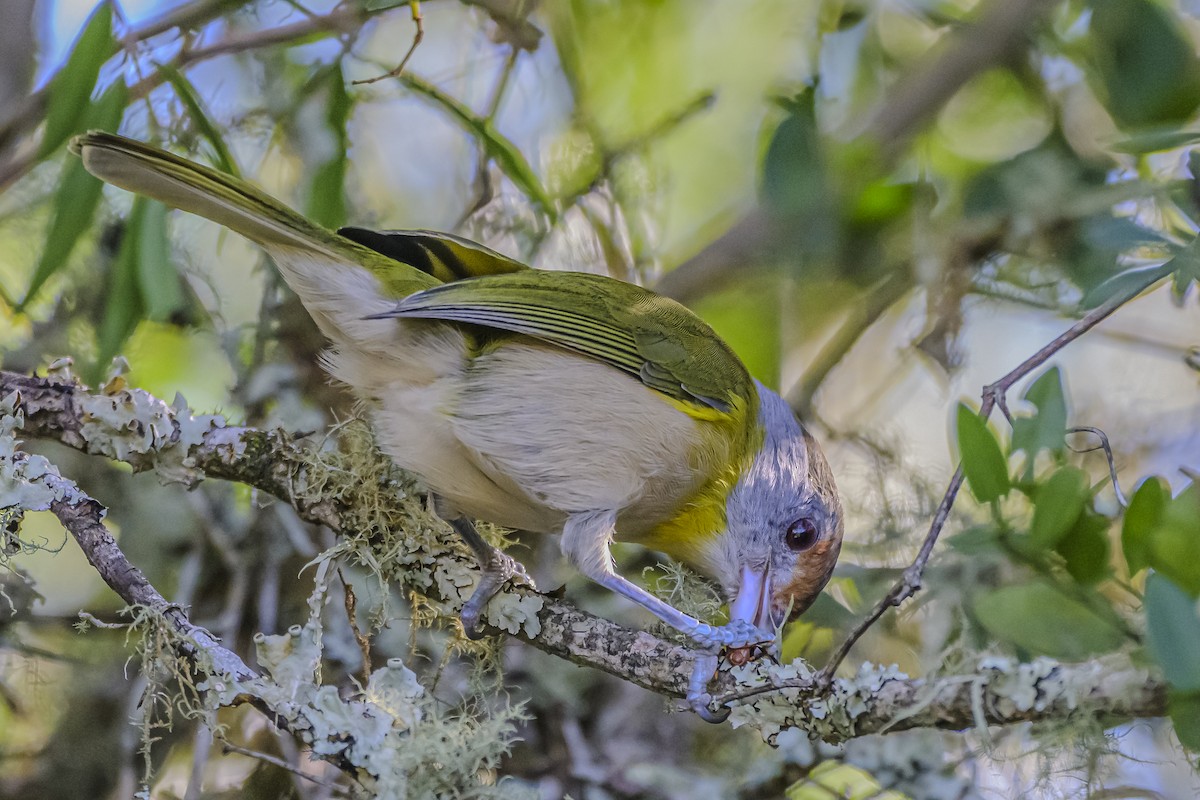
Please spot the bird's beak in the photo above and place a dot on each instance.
(753, 601)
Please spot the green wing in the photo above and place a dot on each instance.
(650, 337)
(443, 255)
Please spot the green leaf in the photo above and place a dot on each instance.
(72, 85)
(1156, 141)
(200, 117)
(158, 282)
(1085, 548)
(1175, 545)
(1173, 632)
(1146, 65)
(1043, 620)
(1184, 708)
(1047, 429)
(749, 326)
(327, 195)
(982, 460)
(1129, 283)
(976, 541)
(77, 197)
(1057, 505)
(795, 180)
(123, 307)
(1142, 518)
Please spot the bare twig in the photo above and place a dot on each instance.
(1108, 455)
(865, 313)
(350, 602)
(993, 395)
(230, 747)
(83, 518)
(342, 19)
(415, 7)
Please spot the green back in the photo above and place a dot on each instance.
(650, 337)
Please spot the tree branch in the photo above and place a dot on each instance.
(993, 395)
(131, 426)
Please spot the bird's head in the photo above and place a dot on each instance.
(783, 523)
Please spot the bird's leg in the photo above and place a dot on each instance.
(496, 568)
(585, 542)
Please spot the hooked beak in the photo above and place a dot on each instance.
(753, 601)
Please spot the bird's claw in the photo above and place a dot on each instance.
(735, 635)
(698, 697)
(498, 570)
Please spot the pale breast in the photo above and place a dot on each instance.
(576, 435)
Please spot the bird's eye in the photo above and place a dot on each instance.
(801, 535)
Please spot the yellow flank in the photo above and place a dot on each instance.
(701, 518)
(697, 410)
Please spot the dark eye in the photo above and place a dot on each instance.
(801, 535)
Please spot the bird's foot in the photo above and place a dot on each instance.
(698, 697)
(496, 571)
(738, 634)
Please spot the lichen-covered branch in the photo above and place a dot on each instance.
(379, 514)
(370, 736)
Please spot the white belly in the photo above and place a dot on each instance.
(526, 434)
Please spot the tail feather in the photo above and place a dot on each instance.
(236, 204)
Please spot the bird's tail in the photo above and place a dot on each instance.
(180, 183)
(338, 280)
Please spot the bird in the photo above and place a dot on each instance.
(548, 401)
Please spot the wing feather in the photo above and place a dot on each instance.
(652, 338)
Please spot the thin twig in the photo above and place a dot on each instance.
(364, 644)
(339, 20)
(417, 37)
(993, 394)
(1108, 455)
(230, 747)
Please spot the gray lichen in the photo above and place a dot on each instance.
(132, 425)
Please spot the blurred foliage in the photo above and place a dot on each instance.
(731, 153)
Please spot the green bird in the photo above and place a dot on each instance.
(556, 402)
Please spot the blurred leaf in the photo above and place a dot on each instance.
(1085, 548)
(1057, 505)
(327, 196)
(1146, 64)
(1173, 632)
(123, 307)
(1117, 234)
(976, 540)
(747, 316)
(836, 780)
(1175, 545)
(69, 91)
(1141, 520)
(1047, 429)
(77, 196)
(795, 180)
(1043, 620)
(1156, 141)
(1126, 284)
(200, 118)
(158, 280)
(1184, 708)
(827, 612)
(983, 462)
(1186, 265)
